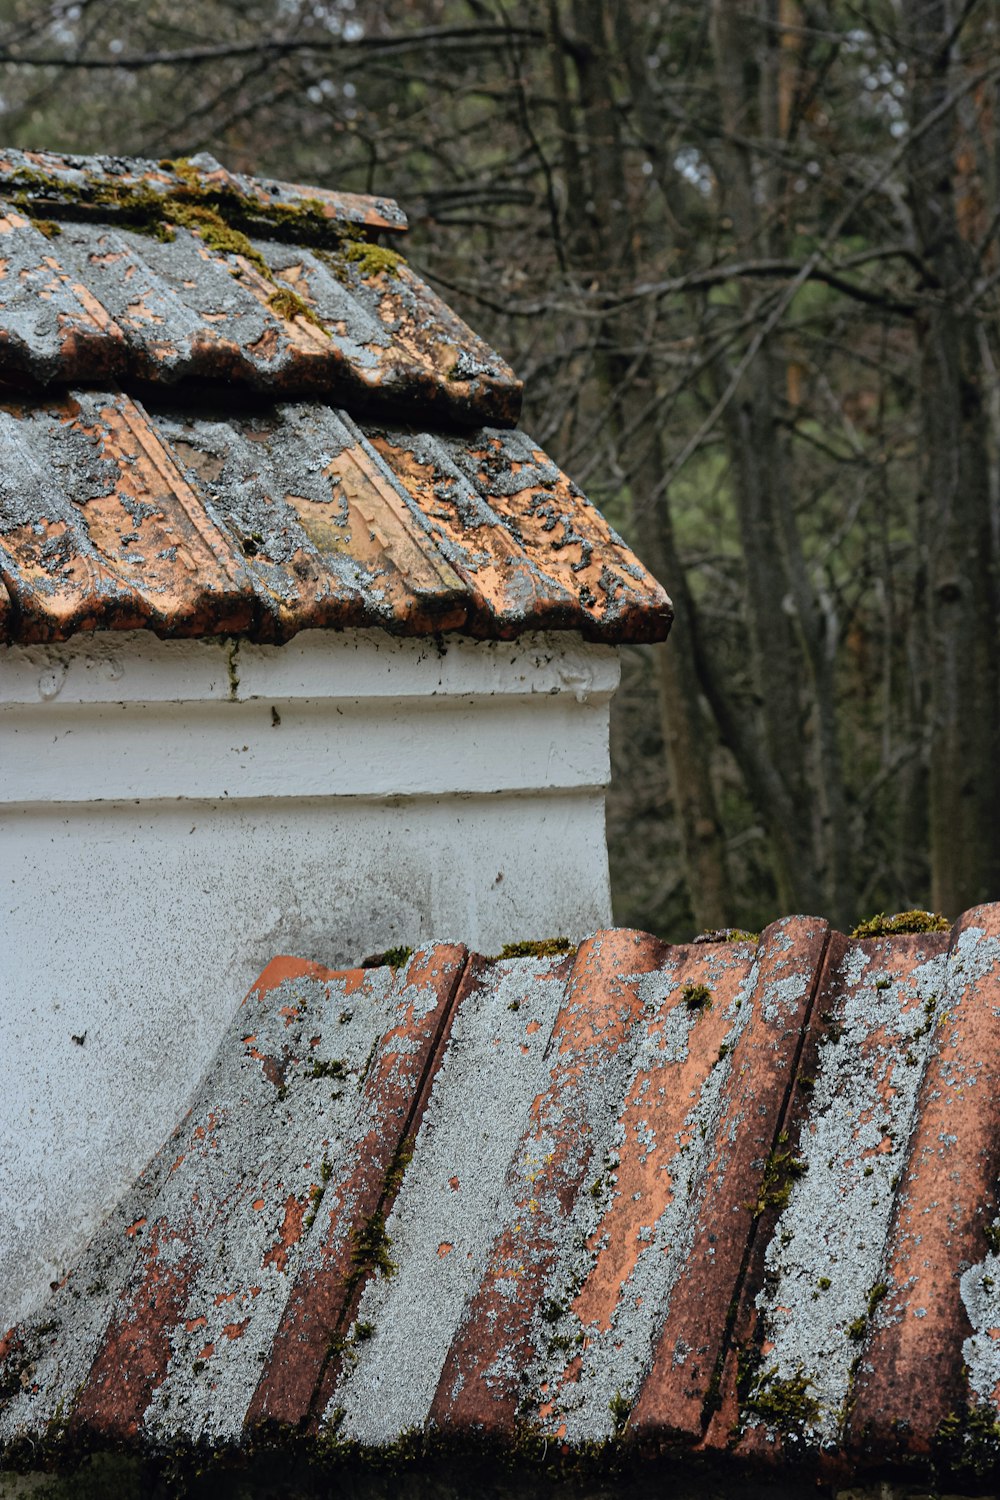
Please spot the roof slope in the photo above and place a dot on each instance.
(228, 410)
(722, 1203)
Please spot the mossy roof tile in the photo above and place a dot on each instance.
(544, 1205)
(197, 369)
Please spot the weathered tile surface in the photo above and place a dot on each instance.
(192, 367)
(728, 1204)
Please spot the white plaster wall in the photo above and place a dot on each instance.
(172, 815)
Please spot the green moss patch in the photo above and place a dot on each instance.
(392, 958)
(537, 948)
(316, 1195)
(968, 1440)
(620, 1409)
(288, 305)
(727, 935)
(697, 997)
(333, 1068)
(904, 921)
(780, 1171)
(370, 1244)
(373, 260)
(212, 228)
(148, 211)
(784, 1403)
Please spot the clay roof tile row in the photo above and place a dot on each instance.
(226, 410)
(720, 1203)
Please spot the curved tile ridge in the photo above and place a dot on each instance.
(173, 274)
(99, 529)
(59, 181)
(530, 545)
(940, 1308)
(116, 515)
(725, 1204)
(162, 1331)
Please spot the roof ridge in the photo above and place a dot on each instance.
(140, 192)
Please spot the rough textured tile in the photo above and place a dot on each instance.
(164, 1329)
(441, 1229)
(325, 534)
(309, 1347)
(816, 1274)
(36, 173)
(527, 543)
(940, 1310)
(48, 325)
(733, 1203)
(146, 272)
(271, 321)
(739, 1123)
(509, 1323)
(98, 528)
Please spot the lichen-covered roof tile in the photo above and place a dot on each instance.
(938, 1311)
(250, 322)
(100, 530)
(166, 275)
(729, 1204)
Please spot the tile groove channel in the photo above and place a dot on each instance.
(408, 1131)
(727, 1348)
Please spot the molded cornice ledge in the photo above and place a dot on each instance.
(357, 713)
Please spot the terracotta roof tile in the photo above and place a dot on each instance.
(50, 179)
(722, 1203)
(93, 301)
(191, 364)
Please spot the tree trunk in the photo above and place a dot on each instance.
(791, 658)
(687, 734)
(958, 543)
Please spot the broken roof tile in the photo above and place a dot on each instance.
(235, 341)
(719, 1202)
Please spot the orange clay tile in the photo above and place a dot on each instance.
(553, 1158)
(233, 348)
(938, 1313)
(305, 1356)
(815, 1267)
(727, 1208)
(165, 277)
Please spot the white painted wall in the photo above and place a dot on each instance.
(173, 814)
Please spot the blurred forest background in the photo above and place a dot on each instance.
(745, 255)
